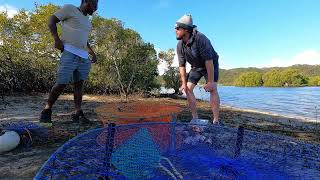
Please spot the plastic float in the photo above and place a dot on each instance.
(9, 140)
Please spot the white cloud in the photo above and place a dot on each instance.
(175, 60)
(310, 57)
(162, 67)
(9, 9)
(276, 62)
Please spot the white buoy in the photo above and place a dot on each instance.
(8, 141)
(199, 121)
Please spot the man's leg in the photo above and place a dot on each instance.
(215, 104)
(66, 68)
(79, 76)
(78, 92)
(54, 94)
(192, 100)
(79, 115)
(214, 95)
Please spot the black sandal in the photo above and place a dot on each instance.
(45, 116)
(79, 117)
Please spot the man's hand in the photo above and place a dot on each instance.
(183, 87)
(94, 58)
(91, 52)
(58, 44)
(210, 86)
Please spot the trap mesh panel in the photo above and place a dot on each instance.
(181, 151)
(129, 163)
(80, 158)
(20, 126)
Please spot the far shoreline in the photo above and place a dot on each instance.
(301, 118)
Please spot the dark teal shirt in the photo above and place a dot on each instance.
(197, 51)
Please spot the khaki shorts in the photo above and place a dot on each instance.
(72, 68)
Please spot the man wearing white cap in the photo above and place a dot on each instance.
(195, 48)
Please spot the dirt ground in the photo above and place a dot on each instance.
(23, 162)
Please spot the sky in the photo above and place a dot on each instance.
(245, 33)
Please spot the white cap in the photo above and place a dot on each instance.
(186, 22)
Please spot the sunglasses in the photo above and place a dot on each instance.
(177, 28)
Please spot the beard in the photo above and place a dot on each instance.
(179, 38)
(90, 13)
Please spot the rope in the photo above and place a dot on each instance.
(29, 133)
(173, 169)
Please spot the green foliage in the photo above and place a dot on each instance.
(249, 79)
(314, 81)
(273, 78)
(29, 61)
(228, 77)
(286, 77)
(292, 77)
(297, 75)
(307, 70)
(125, 64)
(167, 56)
(172, 78)
(160, 80)
(26, 64)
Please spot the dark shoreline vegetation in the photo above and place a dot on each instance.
(293, 76)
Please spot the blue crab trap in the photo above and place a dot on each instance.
(29, 132)
(181, 151)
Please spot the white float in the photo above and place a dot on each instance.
(8, 141)
(199, 121)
